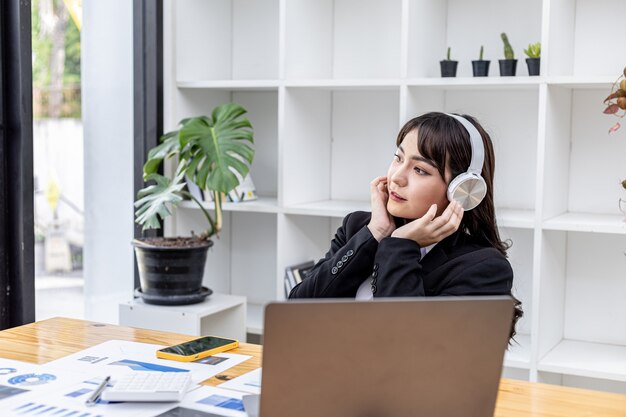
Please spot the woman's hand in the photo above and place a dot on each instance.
(381, 224)
(429, 229)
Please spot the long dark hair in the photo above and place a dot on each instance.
(445, 141)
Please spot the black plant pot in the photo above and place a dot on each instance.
(508, 67)
(171, 275)
(533, 65)
(480, 68)
(448, 68)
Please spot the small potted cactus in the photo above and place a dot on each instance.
(508, 65)
(448, 66)
(480, 67)
(534, 58)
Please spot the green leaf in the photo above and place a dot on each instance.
(153, 200)
(169, 146)
(222, 144)
(533, 50)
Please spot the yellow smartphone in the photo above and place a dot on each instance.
(197, 348)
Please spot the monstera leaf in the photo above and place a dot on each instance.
(153, 201)
(214, 152)
(170, 146)
(218, 148)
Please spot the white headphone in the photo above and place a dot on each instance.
(469, 188)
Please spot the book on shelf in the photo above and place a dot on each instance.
(302, 269)
(288, 287)
(290, 277)
(194, 190)
(295, 274)
(245, 191)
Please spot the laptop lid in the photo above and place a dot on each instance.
(389, 357)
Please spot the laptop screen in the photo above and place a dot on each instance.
(386, 357)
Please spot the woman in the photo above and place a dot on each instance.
(415, 242)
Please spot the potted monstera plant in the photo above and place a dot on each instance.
(215, 153)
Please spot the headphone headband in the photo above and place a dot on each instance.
(476, 142)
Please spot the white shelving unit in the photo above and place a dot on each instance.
(328, 83)
(221, 314)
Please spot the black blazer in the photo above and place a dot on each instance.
(458, 265)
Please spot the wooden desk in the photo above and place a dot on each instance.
(52, 339)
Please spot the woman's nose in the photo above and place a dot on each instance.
(399, 177)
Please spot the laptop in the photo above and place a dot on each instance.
(384, 358)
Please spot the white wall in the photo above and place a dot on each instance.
(107, 85)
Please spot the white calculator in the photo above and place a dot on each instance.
(148, 386)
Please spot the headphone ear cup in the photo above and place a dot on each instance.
(468, 189)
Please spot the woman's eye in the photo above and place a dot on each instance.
(420, 171)
(396, 157)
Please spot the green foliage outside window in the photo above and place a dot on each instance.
(44, 86)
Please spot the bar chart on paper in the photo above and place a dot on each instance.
(45, 410)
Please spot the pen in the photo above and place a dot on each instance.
(96, 394)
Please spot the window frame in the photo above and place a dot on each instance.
(17, 264)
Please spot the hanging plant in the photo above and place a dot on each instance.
(616, 101)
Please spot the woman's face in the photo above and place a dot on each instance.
(414, 183)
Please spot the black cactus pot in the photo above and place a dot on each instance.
(508, 67)
(534, 65)
(448, 68)
(480, 68)
(171, 275)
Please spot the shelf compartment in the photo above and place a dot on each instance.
(582, 289)
(593, 360)
(261, 205)
(518, 353)
(321, 35)
(238, 39)
(587, 222)
(262, 107)
(576, 135)
(329, 135)
(435, 25)
(595, 190)
(594, 287)
(330, 208)
(575, 47)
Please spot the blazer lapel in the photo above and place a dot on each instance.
(436, 258)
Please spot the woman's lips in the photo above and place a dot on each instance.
(396, 197)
